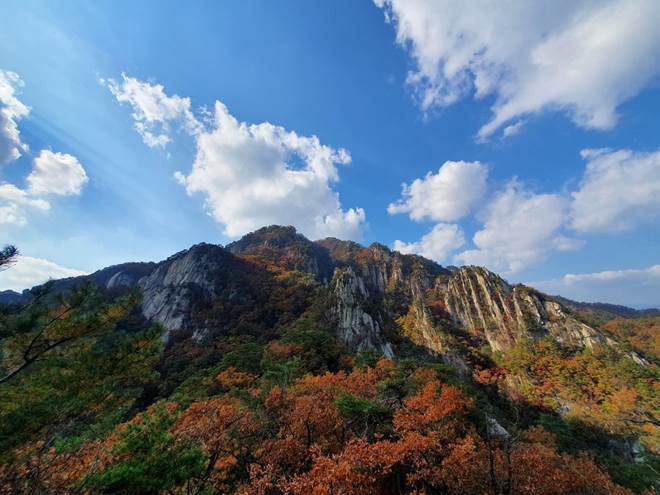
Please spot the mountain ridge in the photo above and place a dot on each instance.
(268, 239)
(373, 289)
(278, 311)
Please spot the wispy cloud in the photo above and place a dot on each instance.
(580, 56)
(28, 272)
(634, 287)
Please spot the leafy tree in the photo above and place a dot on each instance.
(56, 398)
(48, 323)
(148, 457)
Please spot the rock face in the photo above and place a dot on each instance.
(168, 291)
(485, 305)
(365, 281)
(378, 299)
(355, 327)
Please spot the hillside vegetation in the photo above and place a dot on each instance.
(277, 365)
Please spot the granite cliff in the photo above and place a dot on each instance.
(376, 298)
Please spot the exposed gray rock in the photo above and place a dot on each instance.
(121, 279)
(355, 327)
(495, 429)
(168, 290)
(488, 306)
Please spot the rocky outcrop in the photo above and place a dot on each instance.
(170, 289)
(383, 270)
(369, 277)
(355, 327)
(122, 278)
(207, 286)
(488, 307)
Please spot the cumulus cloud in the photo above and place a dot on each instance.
(250, 175)
(636, 287)
(580, 56)
(521, 228)
(259, 174)
(446, 196)
(52, 174)
(15, 201)
(28, 272)
(154, 112)
(619, 190)
(56, 173)
(11, 110)
(437, 244)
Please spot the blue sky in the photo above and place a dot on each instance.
(403, 88)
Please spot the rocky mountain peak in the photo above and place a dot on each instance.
(369, 289)
(273, 236)
(285, 247)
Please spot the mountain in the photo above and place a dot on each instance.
(10, 296)
(602, 312)
(200, 290)
(277, 337)
(122, 275)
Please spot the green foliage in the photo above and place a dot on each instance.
(367, 358)
(201, 385)
(73, 392)
(152, 459)
(363, 414)
(638, 476)
(7, 255)
(49, 323)
(320, 351)
(569, 437)
(283, 374)
(244, 357)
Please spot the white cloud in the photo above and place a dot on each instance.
(28, 272)
(11, 110)
(154, 112)
(521, 228)
(619, 190)
(260, 174)
(250, 174)
(585, 57)
(638, 288)
(513, 129)
(15, 201)
(56, 173)
(446, 196)
(52, 173)
(436, 244)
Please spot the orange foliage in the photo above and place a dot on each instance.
(281, 352)
(232, 378)
(539, 469)
(297, 442)
(226, 432)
